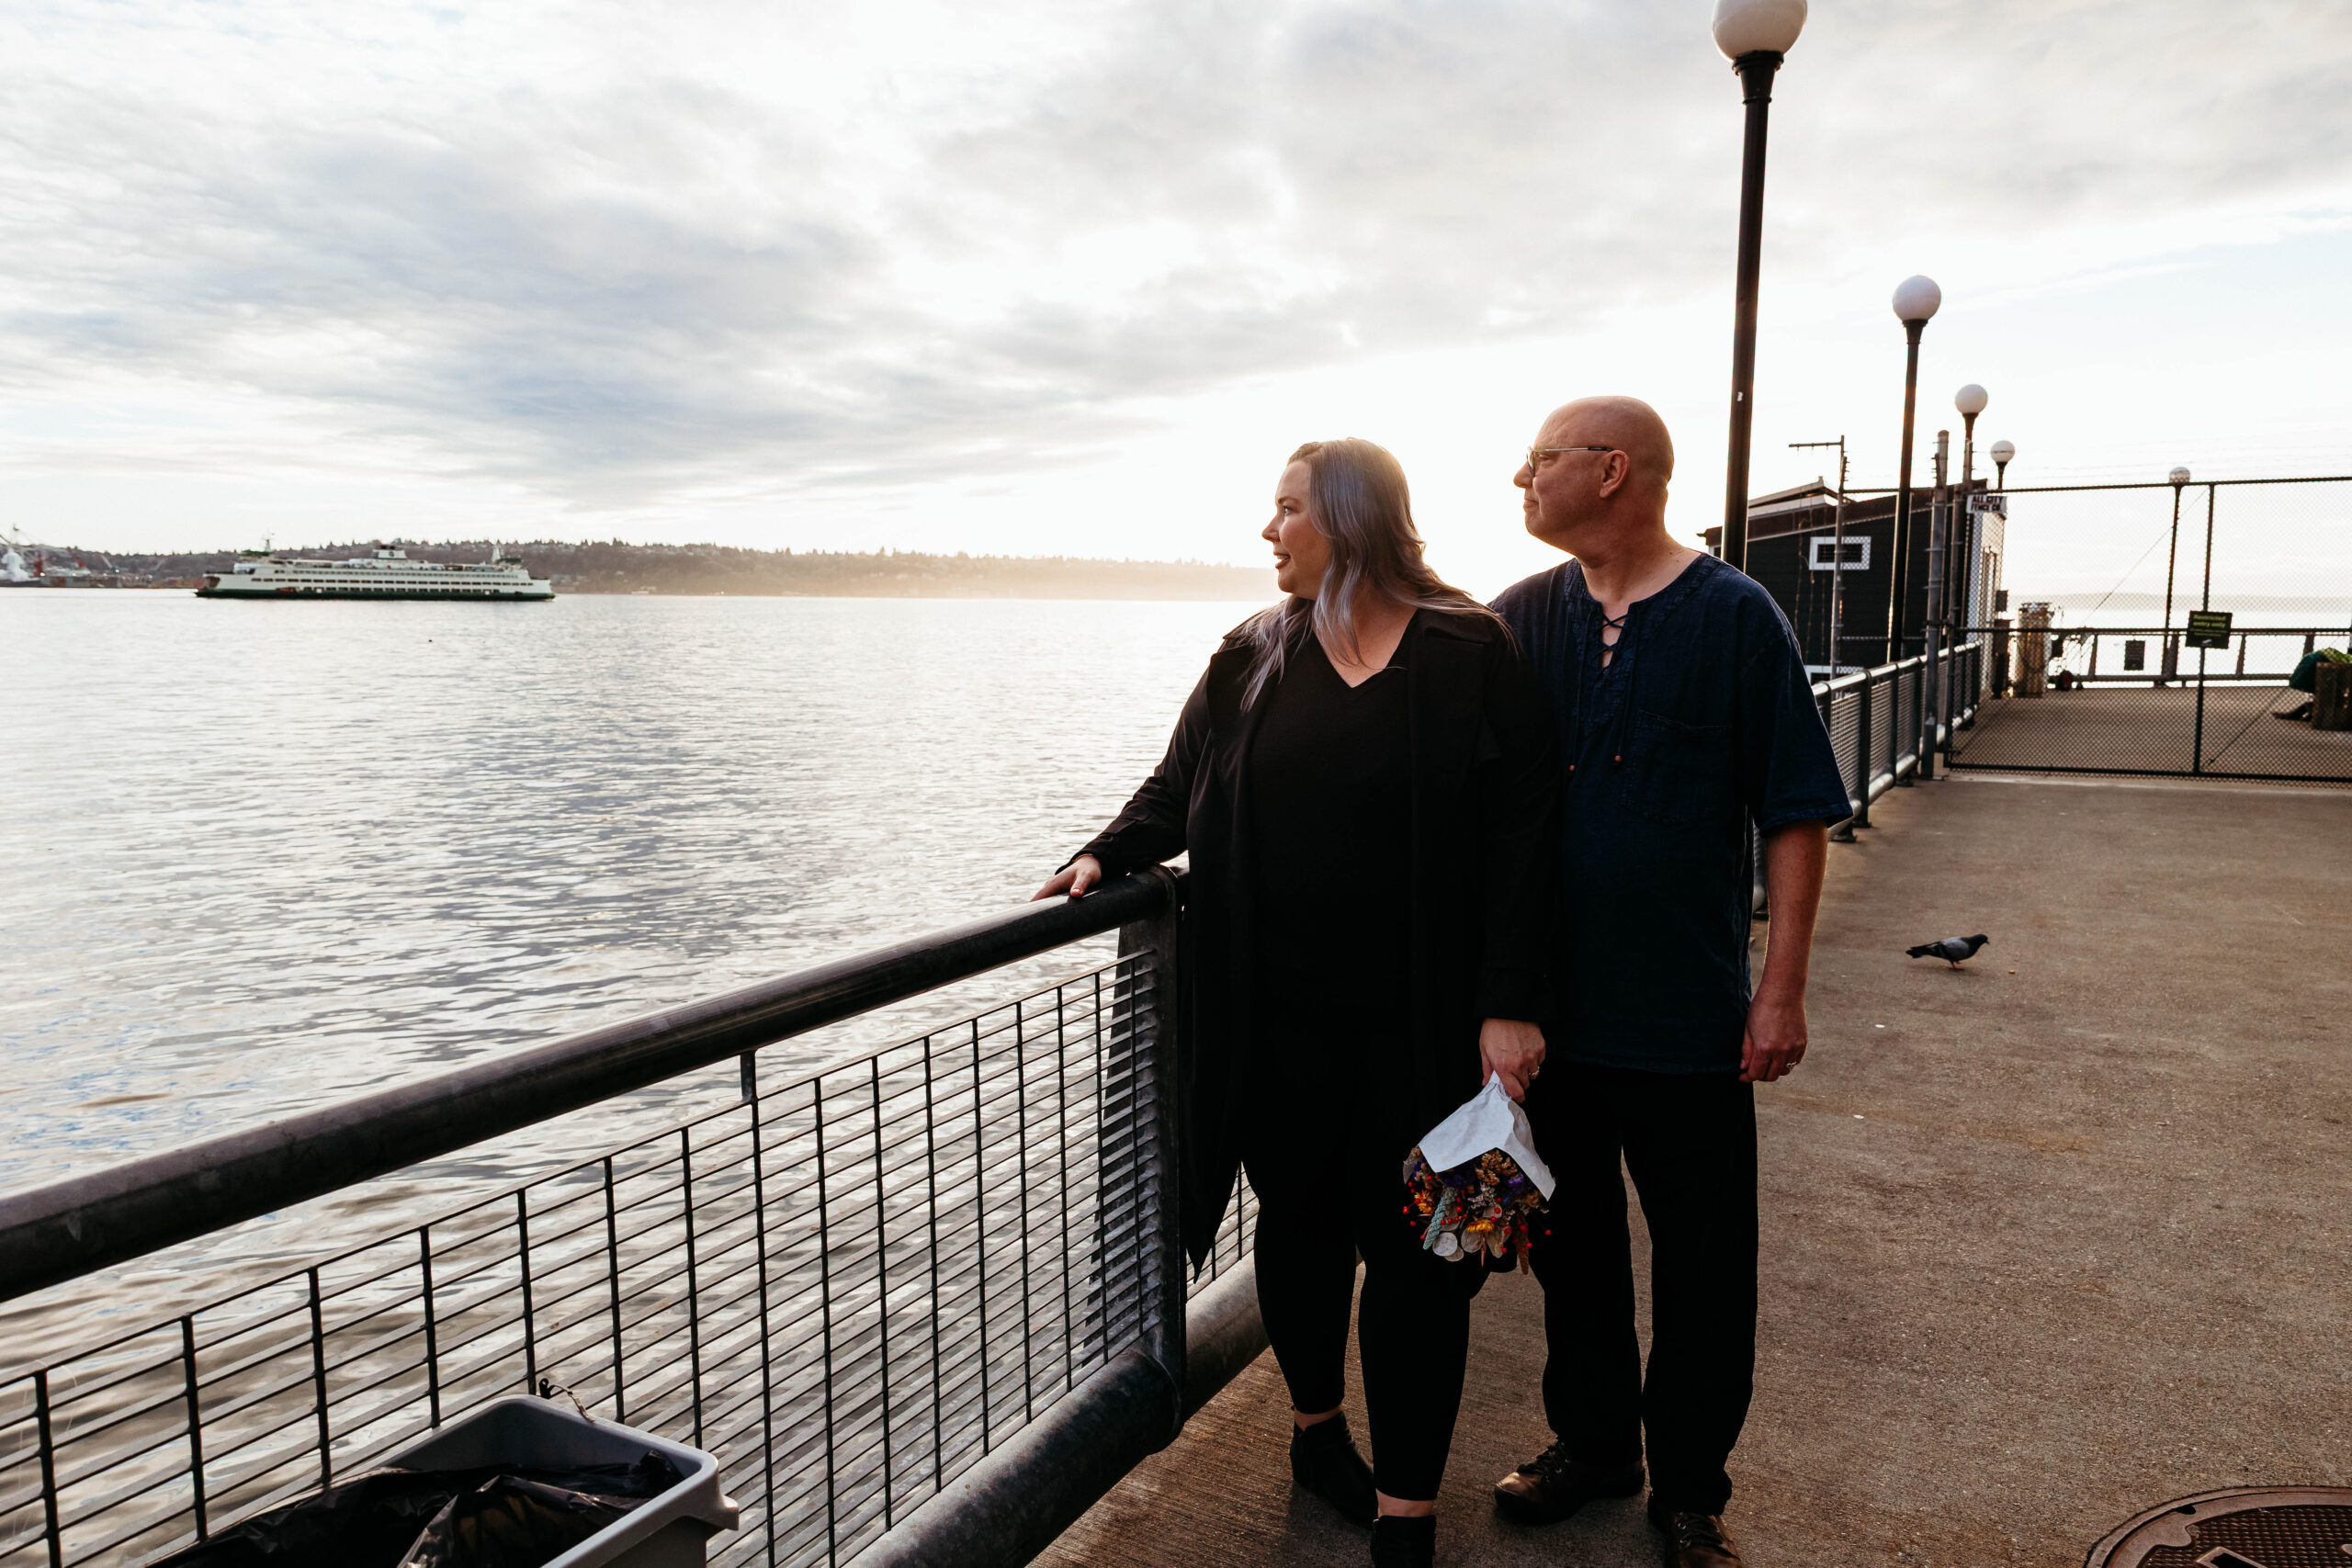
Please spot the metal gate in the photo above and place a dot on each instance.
(2176, 659)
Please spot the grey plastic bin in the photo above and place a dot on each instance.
(666, 1531)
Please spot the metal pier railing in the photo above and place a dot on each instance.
(889, 1294)
(926, 1303)
(1889, 724)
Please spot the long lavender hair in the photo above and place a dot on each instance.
(1357, 499)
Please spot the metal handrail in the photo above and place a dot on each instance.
(1830, 686)
(1138, 1349)
(2175, 631)
(69, 1228)
(1894, 739)
(933, 1298)
(2135, 484)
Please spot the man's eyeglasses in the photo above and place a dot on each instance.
(1535, 455)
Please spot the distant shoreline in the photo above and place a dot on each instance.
(725, 571)
(1046, 592)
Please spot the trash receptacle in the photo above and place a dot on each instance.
(518, 1484)
(2331, 696)
(666, 1531)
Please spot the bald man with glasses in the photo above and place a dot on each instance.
(1685, 717)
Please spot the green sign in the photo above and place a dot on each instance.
(2209, 628)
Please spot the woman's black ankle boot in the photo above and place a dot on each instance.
(1404, 1541)
(1323, 1459)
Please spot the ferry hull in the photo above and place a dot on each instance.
(511, 595)
(386, 574)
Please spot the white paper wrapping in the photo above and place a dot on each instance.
(1490, 1119)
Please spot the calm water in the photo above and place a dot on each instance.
(264, 856)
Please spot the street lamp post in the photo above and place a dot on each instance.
(1996, 677)
(1923, 711)
(2168, 657)
(1949, 551)
(1970, 400)
(1916, 301)
(1754, 35)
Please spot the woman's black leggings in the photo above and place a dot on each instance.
(1324, 1197)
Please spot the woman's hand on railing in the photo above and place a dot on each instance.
(1078, 879)
(1512, 1048)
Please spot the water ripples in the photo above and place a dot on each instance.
(264, 856)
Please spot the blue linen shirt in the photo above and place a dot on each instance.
(1702, 723)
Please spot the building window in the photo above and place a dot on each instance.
(1824, 552)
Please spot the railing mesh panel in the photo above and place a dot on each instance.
(2137, 699)
(849, 1288)
(1876, 714)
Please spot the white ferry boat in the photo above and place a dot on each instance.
(386, 574)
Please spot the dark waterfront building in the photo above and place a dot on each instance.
(1793, 538)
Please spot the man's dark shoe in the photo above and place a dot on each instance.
(1551, 1486)
(1323, 1459)
(1404, 1542)
(1693, 1540)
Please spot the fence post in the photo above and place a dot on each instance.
(47, 1437)
(1825, 704)
(1862, 750)
(1899, 722)
(1966, 692)
(1928, 661)
(2205, 602)
(2168, 654)
(1931, 616)
(1156, 1036)
(1945, 662)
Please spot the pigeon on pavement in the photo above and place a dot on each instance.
(1952, 949)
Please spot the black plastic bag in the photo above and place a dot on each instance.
(493, 1517)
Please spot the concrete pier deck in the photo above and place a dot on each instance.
(2047, 1240)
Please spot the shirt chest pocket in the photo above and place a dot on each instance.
(1679, 774)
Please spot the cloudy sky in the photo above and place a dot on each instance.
(1043, 278)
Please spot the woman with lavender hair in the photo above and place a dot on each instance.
(1367, 786)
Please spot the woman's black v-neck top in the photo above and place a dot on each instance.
(1329, 820)
(1456, 881)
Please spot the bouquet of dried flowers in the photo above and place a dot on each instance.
(1474, 1183)
(1479, 1208)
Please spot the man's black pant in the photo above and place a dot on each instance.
(1689, 1143)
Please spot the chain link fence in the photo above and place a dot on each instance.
(2168, 629)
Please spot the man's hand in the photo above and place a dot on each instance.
(1795, 858)
(1512, 1049)
(1078, 879)
(1775, 1040)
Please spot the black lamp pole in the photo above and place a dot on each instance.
(1962, 555)
(1756, 70)
(2167, 661)
(1899, 574)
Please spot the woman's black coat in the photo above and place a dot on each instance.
(1481, 856)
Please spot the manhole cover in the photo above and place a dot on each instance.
(2250, 1526)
